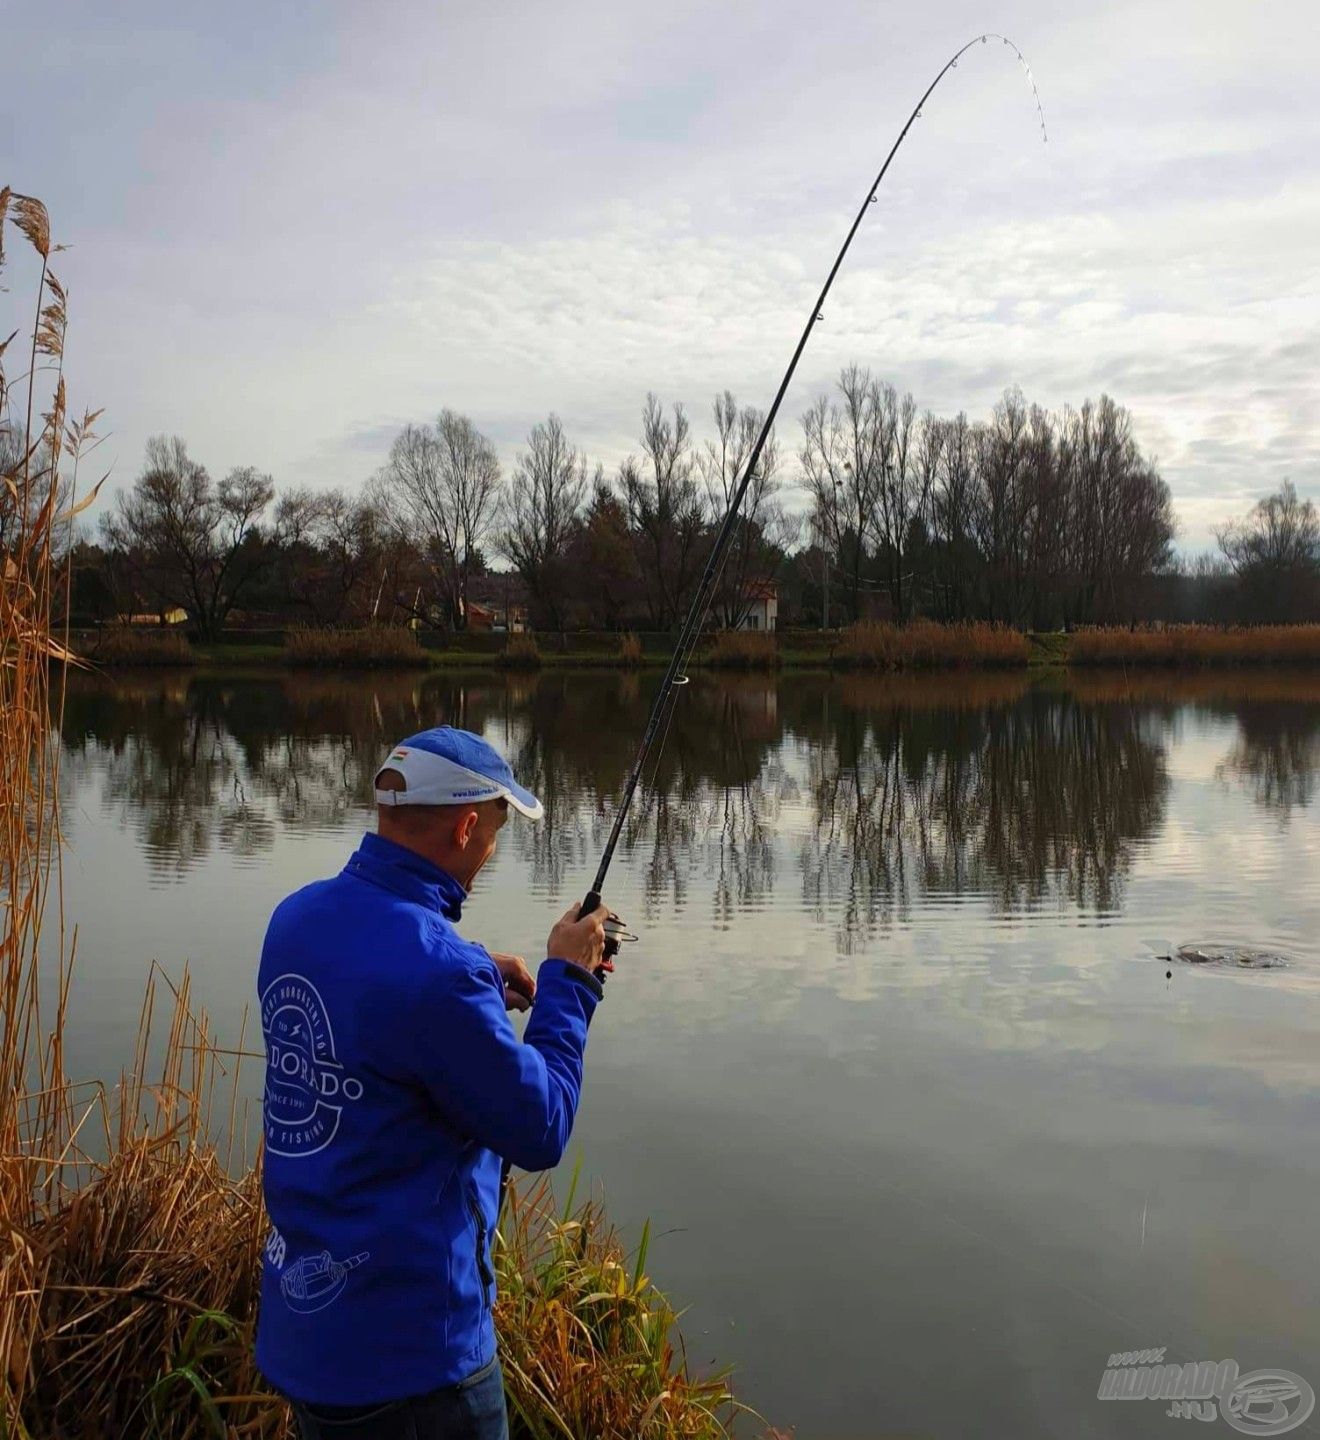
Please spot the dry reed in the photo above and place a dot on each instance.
(123, 645)
(925, 645)
(373, 647)
(520, 653)
(742, 650)
(630, 650)
(129, 1273)
(1193, 645)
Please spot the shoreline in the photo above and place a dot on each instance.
(1046, 655)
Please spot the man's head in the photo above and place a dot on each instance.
(446, 793)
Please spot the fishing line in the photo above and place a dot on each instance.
(674, 674)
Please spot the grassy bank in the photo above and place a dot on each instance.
(923, 645)
(372, 647)
(121, 646)
(867, 645)
(1189, 646)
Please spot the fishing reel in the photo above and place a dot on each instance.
(616, 934)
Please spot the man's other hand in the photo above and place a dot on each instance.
(580, 942)
(519, 985)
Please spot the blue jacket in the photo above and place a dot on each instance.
(394, 1084)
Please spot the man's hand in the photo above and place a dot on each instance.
(580, 942)
(519, 986)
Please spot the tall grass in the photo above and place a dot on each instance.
(742, 650)
(123, 645)
(132, 1231)
(520, 653)
(924, 645)
(588, 1345)
(1193, 645)
(630, 650)
(371, 647)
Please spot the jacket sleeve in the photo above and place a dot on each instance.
(518, 1099)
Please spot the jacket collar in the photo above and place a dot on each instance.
(395, 867)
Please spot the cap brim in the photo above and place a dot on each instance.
(524, 802)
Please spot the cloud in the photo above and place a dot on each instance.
(284, 248)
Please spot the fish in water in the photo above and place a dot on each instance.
(1229, 957)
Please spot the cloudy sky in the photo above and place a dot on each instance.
(296, 226)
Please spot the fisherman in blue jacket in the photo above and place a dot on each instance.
(395, 1085)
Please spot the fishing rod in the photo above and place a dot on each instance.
(674, 677)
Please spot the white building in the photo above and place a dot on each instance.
(763, 606)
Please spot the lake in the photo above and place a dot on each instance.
(927, 1127)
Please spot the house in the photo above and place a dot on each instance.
(175, 616)
(762, 598)
(497, 602)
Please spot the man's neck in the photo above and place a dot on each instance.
(441, 859)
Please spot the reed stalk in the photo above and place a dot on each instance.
(1198, 645)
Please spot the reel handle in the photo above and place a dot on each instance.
(606, 967)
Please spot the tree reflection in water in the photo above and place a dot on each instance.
(870, 793)
(1017, 794)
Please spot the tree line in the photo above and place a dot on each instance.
(1029, 517)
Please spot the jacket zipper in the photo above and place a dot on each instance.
(483, 1264)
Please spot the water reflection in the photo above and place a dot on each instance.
(1275, 754)
(1045, 1095)
(894, 789)
(1017, 800)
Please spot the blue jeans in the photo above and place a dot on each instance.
(471, 1410)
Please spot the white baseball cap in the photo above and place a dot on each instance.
(445, 766)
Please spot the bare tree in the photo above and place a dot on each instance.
(605, 581)
(666, 512)
(542, 515)
(845, 448)
(440, 490)
(763, 531)
(951, 507)
(1275, 554)
(186, 541)
(329, 548)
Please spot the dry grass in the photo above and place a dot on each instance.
(520, 653)
(630, 651)
(924, 645)
(129, 1273)
(586, 1342)
(121, 645)
(1193, 645)
(373, 647)
(742, 650)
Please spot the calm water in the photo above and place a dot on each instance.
(896, 1070)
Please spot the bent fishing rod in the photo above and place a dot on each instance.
(674, 677)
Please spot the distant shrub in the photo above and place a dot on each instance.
(123, 645)
(521, 653)
(925, 645)
(1192, 645)
(630, 650)
(369, 648)
(743, 650)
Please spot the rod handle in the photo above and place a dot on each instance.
(606, 967)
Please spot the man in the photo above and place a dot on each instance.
(395, 1084)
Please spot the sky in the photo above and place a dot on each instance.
(295, 227)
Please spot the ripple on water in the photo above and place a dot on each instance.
(1232, 957)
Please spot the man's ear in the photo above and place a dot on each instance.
(467, 823)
